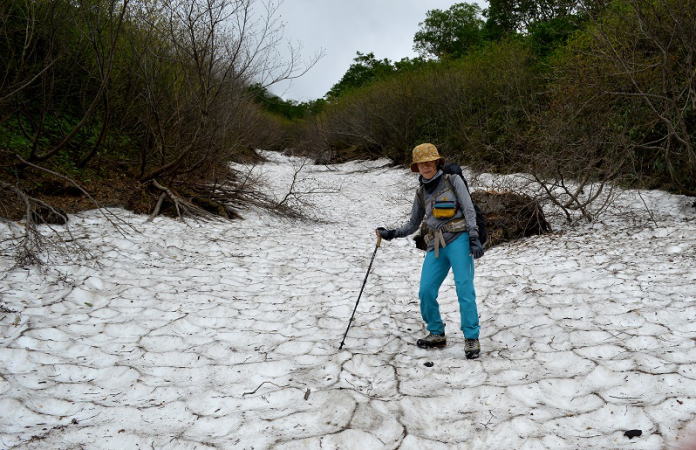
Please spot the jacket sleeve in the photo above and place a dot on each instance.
(417, 213)
(466, 204)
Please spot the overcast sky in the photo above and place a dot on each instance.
(342, 27)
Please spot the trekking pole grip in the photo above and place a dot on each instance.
(379, 240)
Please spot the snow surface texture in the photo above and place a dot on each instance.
(226, 334)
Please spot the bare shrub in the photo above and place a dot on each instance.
(632, 76)
(152, 95)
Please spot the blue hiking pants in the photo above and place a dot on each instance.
(456, 255)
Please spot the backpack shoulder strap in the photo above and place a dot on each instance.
(448, 179)
(466, 185)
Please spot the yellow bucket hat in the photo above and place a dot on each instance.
(424, 153)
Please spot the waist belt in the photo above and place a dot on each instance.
(453, 226)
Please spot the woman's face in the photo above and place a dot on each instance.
(427, 169)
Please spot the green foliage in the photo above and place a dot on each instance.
(458, 30)
(624, 78)
(450, 33)
(539, 83)
(567, 93)
(289, 109)
(472, 107)
(120, 93)
(518, 16)
(547, 36)
(12, 138)
(546, 24)
(367, 69)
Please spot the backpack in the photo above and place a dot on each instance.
(454, 169)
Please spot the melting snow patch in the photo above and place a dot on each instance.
(226, 334)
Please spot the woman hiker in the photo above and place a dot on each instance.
(442, 203)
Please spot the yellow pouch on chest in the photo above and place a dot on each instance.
(444, 209)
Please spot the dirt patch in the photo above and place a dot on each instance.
(510, 216)
(114, 185)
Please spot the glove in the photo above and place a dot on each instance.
(420, 242)
(476, 247)
(386, 234)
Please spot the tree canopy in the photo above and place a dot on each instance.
(367, 68)
(450, 33)
(511, 16)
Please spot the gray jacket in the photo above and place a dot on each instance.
(421, 211)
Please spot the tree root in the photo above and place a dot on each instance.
(184, 208)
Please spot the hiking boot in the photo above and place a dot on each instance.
(472, 348)
(432, 340)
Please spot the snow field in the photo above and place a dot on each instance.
(226, 334)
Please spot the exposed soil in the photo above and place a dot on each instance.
(112, 185)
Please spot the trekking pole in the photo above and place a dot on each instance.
(379, 241)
